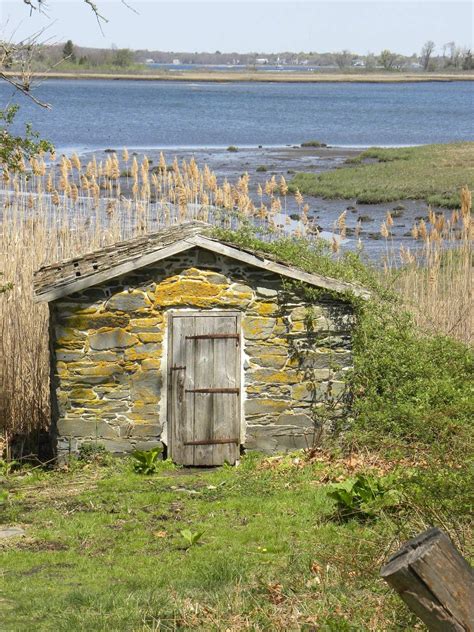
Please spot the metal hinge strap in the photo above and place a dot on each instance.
(213, 390)
(212, 442)
(213, 336)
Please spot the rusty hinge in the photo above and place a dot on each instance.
(213, 390)
(178, 368)
(212, 442)
(213, 336)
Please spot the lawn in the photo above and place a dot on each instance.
(103, 551)
(434, 173)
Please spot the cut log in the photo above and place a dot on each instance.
(435, 582)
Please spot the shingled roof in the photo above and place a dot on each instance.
(66, 277)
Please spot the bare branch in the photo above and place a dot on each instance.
(130, 7)
(24, 90)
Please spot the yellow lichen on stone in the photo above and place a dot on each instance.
(297, 327)
(265, 309)
(258, 327)
(147, 322)
(150, 337)
(275, 377)
(82, 394)
(144, 352)
(187, 292)
(98, 369)
(150, 364)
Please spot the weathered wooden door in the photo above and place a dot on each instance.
(204, 372)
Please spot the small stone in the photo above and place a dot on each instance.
(300, 420)
(269, 360)
(11, 532)
(258, 328)
(143, 430)
(146, 386)
(266, 291)
(257, 406)
(112, 339)
(144, 351)
(270, 376)
(128, 301)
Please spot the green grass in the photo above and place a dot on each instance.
(104, 552)
(434, 173)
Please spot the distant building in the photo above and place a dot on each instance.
(261, 61)
(176, 62)
(149, 61)
(358, 63)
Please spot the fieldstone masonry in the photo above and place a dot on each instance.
(109, 354)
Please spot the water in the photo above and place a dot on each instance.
(95, 114)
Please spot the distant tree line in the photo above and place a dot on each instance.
(450, 56)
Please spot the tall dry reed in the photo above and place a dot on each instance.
(434, 276)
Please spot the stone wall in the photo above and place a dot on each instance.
(110, 345)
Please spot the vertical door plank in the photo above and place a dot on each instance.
(203, 402)
(180, 410)
(225, 416)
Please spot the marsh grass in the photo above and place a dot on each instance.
(434, 173)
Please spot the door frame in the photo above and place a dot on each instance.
(182, 313)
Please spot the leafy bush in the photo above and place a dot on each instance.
(408, 388)
(363, 496)
(147, 461)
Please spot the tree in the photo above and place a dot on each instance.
(68, 51)
(468, 61)
(451, 54)
(15, 149)
(343, 58)
(388, 59)
(123, 57)
(426, 53)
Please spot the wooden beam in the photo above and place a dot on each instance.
(279, 268)
(82, 283)
(47, 290)
(435, 582)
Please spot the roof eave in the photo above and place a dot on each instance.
(54, 292)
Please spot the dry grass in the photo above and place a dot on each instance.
(261, 76)
(436, 281)
(52, 214)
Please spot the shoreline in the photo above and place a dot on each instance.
(258, 77)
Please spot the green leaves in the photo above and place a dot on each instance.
(363, 496)
(147, 461)
(14, 149)
(191, 537)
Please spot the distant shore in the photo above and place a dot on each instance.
(261, 77)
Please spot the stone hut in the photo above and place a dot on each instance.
(182, 339)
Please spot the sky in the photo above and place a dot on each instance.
(244, 26)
